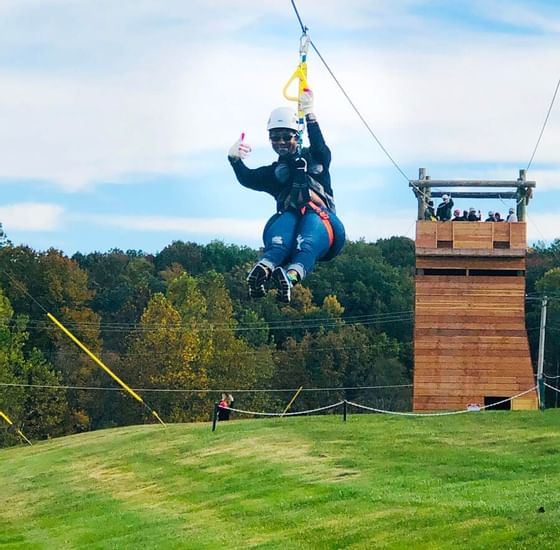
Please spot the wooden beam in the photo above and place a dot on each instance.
(474, 252)
(478, 194)
(428, 183)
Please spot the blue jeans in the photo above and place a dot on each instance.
(298, 242)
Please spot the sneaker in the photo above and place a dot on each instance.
(283, 283)
(256, 279)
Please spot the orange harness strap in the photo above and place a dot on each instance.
(324, 217)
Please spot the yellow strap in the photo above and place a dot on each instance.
(292, 400)
(94, 357)
(6, 418)
(301, 73)
(19, 432)
(101, 364)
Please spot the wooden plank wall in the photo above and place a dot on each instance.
(468, 262)
(469, 337)
(426, 234)
(471, 235)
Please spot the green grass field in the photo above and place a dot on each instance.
(468, 481)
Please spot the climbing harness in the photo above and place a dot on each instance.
(299, 195)
(324, 215)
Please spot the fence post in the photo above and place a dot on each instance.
(215, 416)
(344, 408)
(541, 393)
(540, 360)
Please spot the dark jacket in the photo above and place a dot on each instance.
(430, 214)
(473, 217)
(277, 178)
(444, 210)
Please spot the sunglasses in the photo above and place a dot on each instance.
(287, 136)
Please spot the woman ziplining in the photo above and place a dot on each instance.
(305, 228)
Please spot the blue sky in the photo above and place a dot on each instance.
(116, 117)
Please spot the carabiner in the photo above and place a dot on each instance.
(301, 70)
(300, 74)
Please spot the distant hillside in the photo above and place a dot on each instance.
(477, 480)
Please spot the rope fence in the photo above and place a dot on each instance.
(295, 413)
(345, 403)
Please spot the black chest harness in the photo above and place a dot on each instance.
(298, 197)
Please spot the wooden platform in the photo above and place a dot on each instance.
(470, 342)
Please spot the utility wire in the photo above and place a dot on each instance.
(22, 287)
(303, 324)
(252, 352)
(208, 390)
(239, 330)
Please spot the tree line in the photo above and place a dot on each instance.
(181, 321)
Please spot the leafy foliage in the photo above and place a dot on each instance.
(181, 320)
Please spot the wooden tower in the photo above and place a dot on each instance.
(470, 342)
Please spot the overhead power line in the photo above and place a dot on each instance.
(207, 390)
(302, 324)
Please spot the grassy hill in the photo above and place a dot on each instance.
(470, 481)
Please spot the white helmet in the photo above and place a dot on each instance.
(283, 117)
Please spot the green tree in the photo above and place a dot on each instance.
(38, 411)
(222, 257)
(540, 259)
(548, 285)
(11, 357)
(346, 357)
(369, 287)
(45, 407)
(233, 363)
(399, 252)
(188, 255)
(165, 354)
(123, 284)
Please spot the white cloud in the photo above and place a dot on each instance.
(521, 14)
(76, 132)
(546, 180)
(31, 216)
(156, 88)
(222, 228)
(380, 225)
(543, 227)
(357, 225)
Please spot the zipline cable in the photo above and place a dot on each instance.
(544, 125)
(356, 110)
(304, 29)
